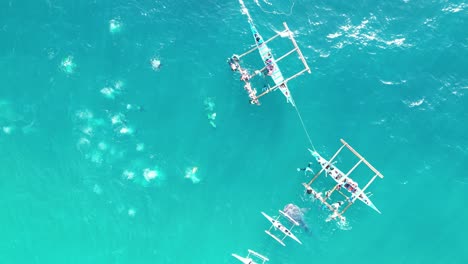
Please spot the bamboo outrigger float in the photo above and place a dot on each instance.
(277, 225)
(251, 258)
(271, 67)
(343, 181)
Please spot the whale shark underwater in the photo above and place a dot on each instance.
(297, 214)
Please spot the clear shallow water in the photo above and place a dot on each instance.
(389, 78)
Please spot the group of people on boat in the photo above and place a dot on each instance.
(269, 66)
(245, 77)
(347, 183)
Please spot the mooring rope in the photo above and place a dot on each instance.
(304, 127)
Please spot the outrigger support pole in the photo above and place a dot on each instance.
(297, 47)
(346, 208)
(265, 42)
(362, 158)
(277, 60)
(283, 83)
(365, 187)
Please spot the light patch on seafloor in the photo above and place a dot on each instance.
(191, 174)
(149, 174)
(131, 212)
(102, 146)
(115, 26)
(97, 189)
(343, 225)
(95, 157)
(67, 65)
(83, 144)
(108, 92)
(133, 107)
(140, 147)
(117, 119)
(119, 84)
(379, 122)
(84, 114)
(386, 82)
(87, 130)
(7, 112)
(7, 130)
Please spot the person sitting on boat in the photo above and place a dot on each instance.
(248, 87)
(234, 62)
(245, 76)
(270, 69)
(233, 66)
(257, 38)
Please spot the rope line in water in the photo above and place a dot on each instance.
(304, 127)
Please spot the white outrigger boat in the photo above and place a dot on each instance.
(249, 260)
(271, 67)
(343, 181)
(276, 224)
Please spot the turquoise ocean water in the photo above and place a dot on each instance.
(94, 154)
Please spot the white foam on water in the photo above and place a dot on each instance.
(155, 64)
(108, 92)
(415, 103)
(397, 42)
(68, 65)
(84, 114)
(454, 8)
(129, 175)
(149, 174)
(191, 174)
(115, 26)
(126, 130)
(334, 35)
(117, 119)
